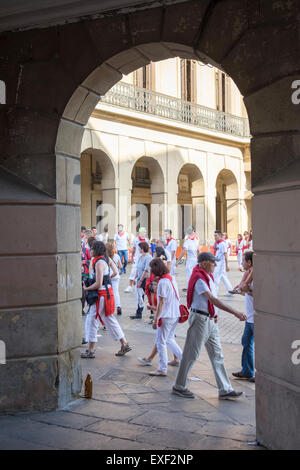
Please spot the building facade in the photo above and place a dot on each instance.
(168, 147)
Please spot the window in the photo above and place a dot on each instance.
(2, 92)
(222, 92)
(188, 80)
(144, 77)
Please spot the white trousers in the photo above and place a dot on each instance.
(92, 324)
(115, 285)
(240, 258)
(165, 338)
(133, 272)
(190, 264)
(173, 266)
(140, 295)
(223, 277)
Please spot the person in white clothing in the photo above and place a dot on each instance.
(122, 242)
(102, 309)
(171, 247)
(166, 316)
(135, 256)
(240, 248)
(103, 237)
(203, 329)
(246, 288)
(222, 267)
(191, 250)
(228, 243)
(115, 281)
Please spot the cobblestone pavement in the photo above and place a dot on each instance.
(132, 410)
(230, 328)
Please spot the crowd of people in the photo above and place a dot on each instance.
(153, 279)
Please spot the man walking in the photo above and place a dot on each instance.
(222, 267)
(203, 329)
(121, 241)
(171, 247)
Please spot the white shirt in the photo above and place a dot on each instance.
(135, 245)
(116, 260)
(191, 247)
(200, 301)
(221, 250)
(122, 241)
(170, 247)
(102, 238)
(228, 246)
(105, 272)
(171, 305)
(249, 305)
(240, 244)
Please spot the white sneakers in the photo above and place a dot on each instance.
(128, 289)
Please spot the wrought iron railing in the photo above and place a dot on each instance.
(157, 104)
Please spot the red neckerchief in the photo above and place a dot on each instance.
(142, 239)
(96, 259)
(199, 273)
(191, 238)
(121, 234)
(169, 239)
(217, 243)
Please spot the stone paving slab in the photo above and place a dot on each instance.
(131, 410)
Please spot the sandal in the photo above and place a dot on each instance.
(157, 373)
(173, 363)
(88, 355)
(123, 350)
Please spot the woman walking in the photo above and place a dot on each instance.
(142, 272)
(102, 309)
(151, 291)
(166, 317)
(115, 281)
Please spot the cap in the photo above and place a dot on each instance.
(206, 256)
(190, 230)
(142, 229)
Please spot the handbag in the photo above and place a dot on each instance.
(91, 295)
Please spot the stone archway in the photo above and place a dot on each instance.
(191, 200)
(227, 204)
(42, 128)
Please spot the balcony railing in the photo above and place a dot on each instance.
(157, 104)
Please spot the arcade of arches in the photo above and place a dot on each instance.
(167, 180)
(42, 138)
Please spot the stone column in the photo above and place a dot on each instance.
(199, 221)
(233, 217)
(109, 209)
(158, 214)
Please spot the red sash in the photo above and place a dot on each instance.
(109, 303)
(169, 239)
(96, 259)
(148, 293)
(199, 273)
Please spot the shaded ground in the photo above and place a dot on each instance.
(131, 410)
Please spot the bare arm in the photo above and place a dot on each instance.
(113, 267)
(158, 312)
(226, 308)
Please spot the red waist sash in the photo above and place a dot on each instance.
(109, 303)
